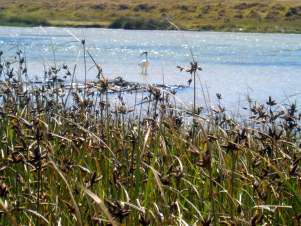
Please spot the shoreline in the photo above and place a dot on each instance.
(102, 26)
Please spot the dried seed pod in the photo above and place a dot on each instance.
(3, 190)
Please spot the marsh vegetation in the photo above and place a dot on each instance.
(69, 155)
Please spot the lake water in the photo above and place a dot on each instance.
(234, 64)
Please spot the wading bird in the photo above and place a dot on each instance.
(144, 64)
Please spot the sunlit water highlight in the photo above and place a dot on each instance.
(234, 64)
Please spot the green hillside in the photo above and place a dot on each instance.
(222, 15)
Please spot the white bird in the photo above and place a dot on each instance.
(144, 64)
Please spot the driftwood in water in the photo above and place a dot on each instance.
(120, 85)
(115, 85)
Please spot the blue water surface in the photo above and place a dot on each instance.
(234, 64)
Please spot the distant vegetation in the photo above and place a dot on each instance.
(26, 21)
(139, 23)
(237, 15)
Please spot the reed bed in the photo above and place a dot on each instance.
(72, 157)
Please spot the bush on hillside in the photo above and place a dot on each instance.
(139, 23)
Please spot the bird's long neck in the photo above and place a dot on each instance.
(146, 57)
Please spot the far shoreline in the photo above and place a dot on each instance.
(92, 25)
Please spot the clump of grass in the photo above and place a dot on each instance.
(139, 23)
(69, 156)
(144, 7)
(24, 20)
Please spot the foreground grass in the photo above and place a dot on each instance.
(237, 15)
(87, 161)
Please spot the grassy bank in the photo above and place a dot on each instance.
(70, 156)
(238, 15)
